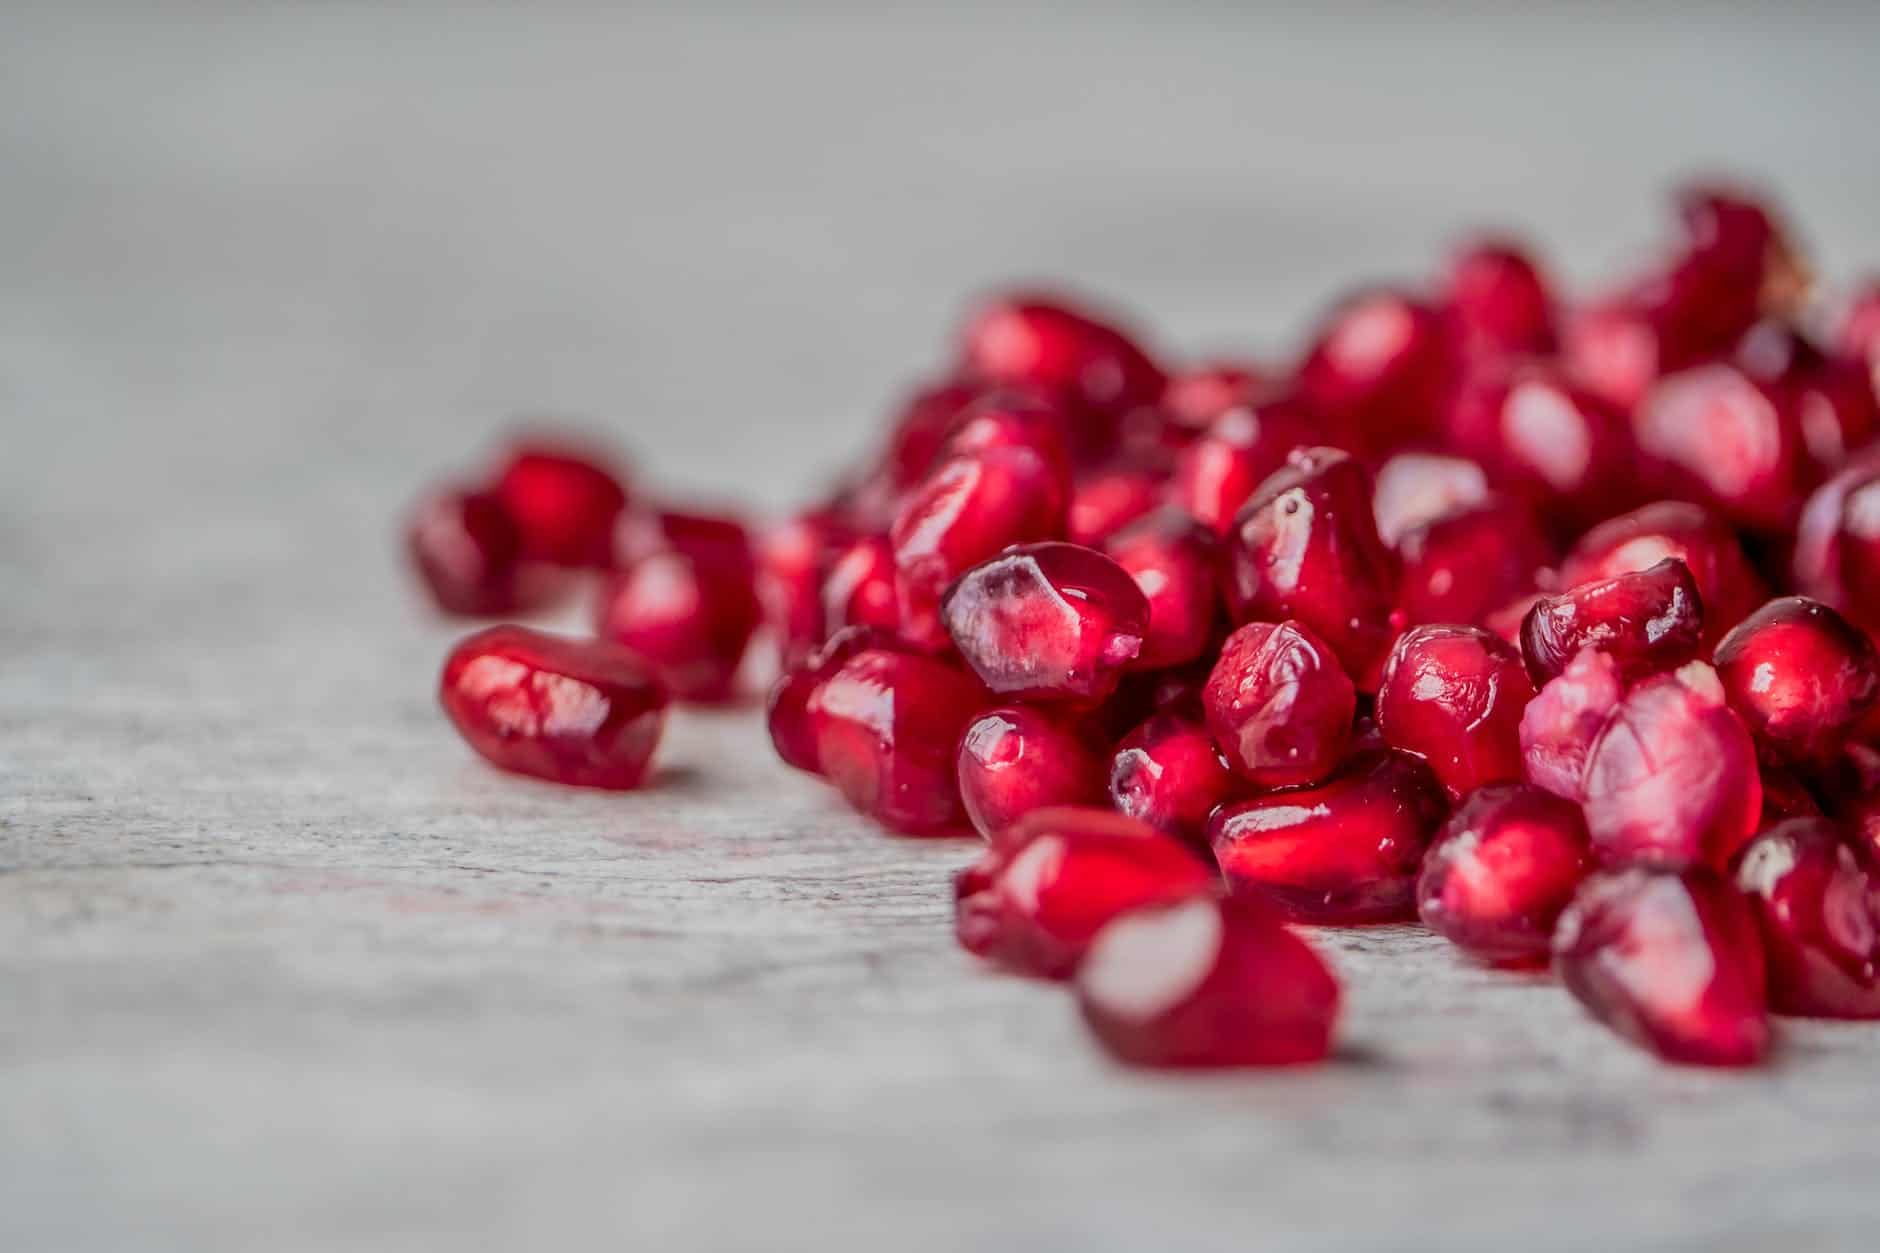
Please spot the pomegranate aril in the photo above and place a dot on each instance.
(1719, 437)
(1646, 622)
(564, 501)
(859, 588)
(1463, 567)
(1168, 773)
(1831, 399)
(787, 717)
(1346, 851)
(1172, 559)
(1497, 301)
(1279, 704)
(1728, 587)
(1104, 502)
(1047, 621)
(1800, 676)
(1207, 984)
(1819, 909)
(1379, 364)
(1195, 397)
(1017, 759)
(791, 560)
(1453, 695)
(1414, 489)
(1008, 419)
(468, 550)
(1505, 864)
(1244, 446)
(1559, 725)
(1546, 441)
(1051, 881)
(582, 712)
(685, 599)
(1670, 961)
(915, 436)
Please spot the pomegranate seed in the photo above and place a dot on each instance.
(915, 435)
(1305, 546)
(1725, 440)
(1047, 621)
(1417, 488)
(1015, 760)
(1463, 567)
(1672, 779)
(1207, 984)
(1105, 502)
(468, 551)
(1819, 910)
(887, 727)
(1548, 442)
(1380, 365)
(1785, 796)
(1453, 695)
(1168, 773)
(586, 713)
(1505, 865)
(1727, 586)
(1565, 717)
(1279, 704)
(1646, 622)
(792, 730)
(1618, 347)
(1498, 301)
(1741, 254)
(1346, 851)
(859, 589)
(564, 500)
(1172, 560)
(1012, 420)
(1195, 397)
(1837, 541)
(792, 558)
(1216, 473)
(1831, 398)
(1800, 676)
(685, 599)
(1670, 961)
(1041, 893)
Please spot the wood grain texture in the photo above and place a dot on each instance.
(282, 967)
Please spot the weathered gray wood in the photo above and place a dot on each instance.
(282, 967)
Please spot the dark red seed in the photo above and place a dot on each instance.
(915, 434)
(1646, 622)
(1548, 442)
(1172, 559)
(1724, 439)
(1245, 445)
(1195, 397)
(792, 558)
(1463, 567)
(1380, 364)
(583, 712)
(1819, 909)
(1279, 704)
(1017, 759)
(564, 500)
(1831, 399)
(1105, 502)
(1619, 346)
(1565, 717)
(859, 589)
(1727, 585)
(792, 731)
(1800, 676)
(685, 599)
(468, 552)
(1506, 864)
(1168, 773)
(1453, 695)
(1785, 795)
(1497, 300)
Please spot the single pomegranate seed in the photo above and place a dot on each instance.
(564, 500)
(1549, 442)
(1672, 779)
(582, 712)
(1168, 773)
(1819, 909)
(1497, 300)
(1727, 585)
(1724, 439)
(1463, 567)
(1832, 399)
(685, 599)
(1207, 984)
(1837, 542)
(1279, 704)
(1305, 546)
(1618, 347)
(1346, 851)
(1105, 502)
(1012, 420)
(1195, 397)
(859, 589)
(1738, 255)
(792, 558)
(1015, 760)
(1417, 488)
(468, 551)
(1050, 883)
(1672, 962)
(1800, 676)
(1380, 363)
(1646, 622)
(1453, 695)
(926, 417)
(1172, 560)
(1216, 473)
(1047, 621)
(1565, 717)
(1506, 863)
(888, 728)
(792, 731)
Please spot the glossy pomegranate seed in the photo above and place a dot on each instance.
(1195, 397)
(468, 551)
(1546, 441)
(1008, 420)
(1017, 759)
(582, 712)
(1279, 704)
(564, 500)
(1724, 439)
(1047, 622)
(926, 417)
(1819, 909)
(1105, 502)
(966, 511)
(1453, 695)
(1619, 346)
(1417, 488)
(1727, 585)
(792, 558)
(1207, 984)
(1672, 779)
(1216, 473)
(1739, 260)
(1800, 676)
(1497, 300)
(1168, 773)
(888, 728)
(1832, 399)
(1463, 567)
(1172, 559)
(685, 599)
(1565, 717)
(1346, 851)
(859, 589)
(1380, 363)
(792, 731)
(1506, 864)
(1670, 961)
(1305, 546)
(1646, 622)
(1050, 883)
(1837, 543)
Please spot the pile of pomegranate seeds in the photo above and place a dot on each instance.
(1546, 621)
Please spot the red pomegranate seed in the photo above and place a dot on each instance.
(1506, 864)
(1453, 695)
(1832, 399)
(926, 417)
(1380, 364)
(1565, 717)
(792, 558)
(1044, 889)
(792, 731)
(1417, 488)
(468, 551)
(1346, 851)
(582, 712)
(1819, 910)
(564, 500)
(1010, 420)
(1107, 501)
(1546, 441)
(685, 599)
(1172, 560)
(1800, 676)
(1672, 962)
(888, 728)
(1646, 622)
(1463, 567)
(859, 589)
(1195, 397)
(1047, 621)
(1017, 759)
(1738, 256)
(1619, 346)
(1672, 779)
(1168, 773)
(1216, 473)
(1723, 439)
(1279, 704)
(1727, 585)
(1305, 546)
(1497, 300)
(1207, 984)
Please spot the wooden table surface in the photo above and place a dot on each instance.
(282, 967)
